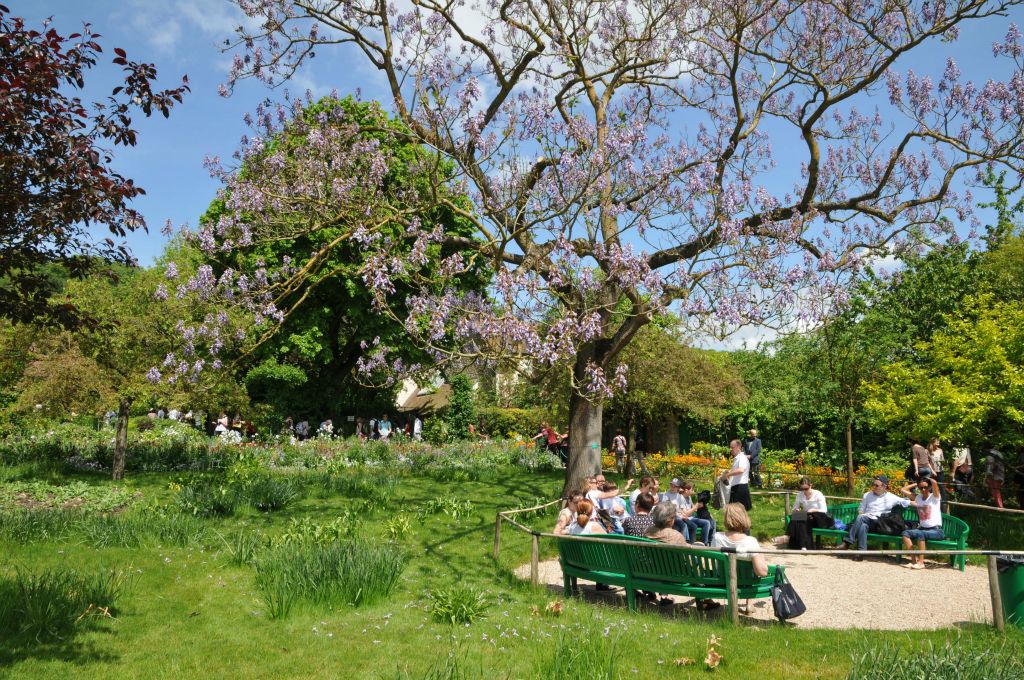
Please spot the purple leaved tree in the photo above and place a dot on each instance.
(731, 161)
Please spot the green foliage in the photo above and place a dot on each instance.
(967, 384)
(37, 494)
(961, 658)
(461, 412)
(458, 605)
(244, 546)
(510, 422)
(50, 604)
(305, 530)
(127, 530)
(668, 378)
(351, 572)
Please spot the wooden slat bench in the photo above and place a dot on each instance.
(644, 564)
(954, 528)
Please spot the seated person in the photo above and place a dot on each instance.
(586, 521)
(648, 484)
(812, 502)
(595, 489)
(663, 516)
(688, 510)
(567, 515)
(875, 503)
(639, 523)
(928, 504)
(737, 536)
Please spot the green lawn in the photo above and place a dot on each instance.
(191, 613)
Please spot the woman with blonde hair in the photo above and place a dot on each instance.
(737, 536)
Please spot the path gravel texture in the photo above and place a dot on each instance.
(839, 593)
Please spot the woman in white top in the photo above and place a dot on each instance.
(586, 522)
(737, 535)
(567, 515)
(928, 504)
(809, 500)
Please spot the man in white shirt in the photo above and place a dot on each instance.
(417, 429)
(874, 504)
(739, 475)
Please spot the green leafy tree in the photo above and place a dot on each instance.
(968, 384)
(669, 379)
(307, 364)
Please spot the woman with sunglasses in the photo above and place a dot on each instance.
(928, 504)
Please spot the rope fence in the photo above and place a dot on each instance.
(998, 616)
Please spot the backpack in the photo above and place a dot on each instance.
(891, 523)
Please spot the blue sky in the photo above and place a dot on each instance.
(184, 37)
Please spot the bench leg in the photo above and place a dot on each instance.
(630, 597)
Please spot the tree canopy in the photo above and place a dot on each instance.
(56, 175)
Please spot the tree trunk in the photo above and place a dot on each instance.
(121, 438)
(849, 457)
(584, 441)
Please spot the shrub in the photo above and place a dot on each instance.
(47, 605)
(244, 546)
(457, 605)
(510, 422)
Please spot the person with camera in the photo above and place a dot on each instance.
(928, 504)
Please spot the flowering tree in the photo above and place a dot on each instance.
(55, 174)
(620, 160)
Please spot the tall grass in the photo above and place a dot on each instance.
(268, 493)
(960, 658)
(350, 572)
(128, 530)
(583, 651)
(48, 605)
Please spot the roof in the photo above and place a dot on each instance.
(427, 402)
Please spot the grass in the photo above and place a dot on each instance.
(197, 608)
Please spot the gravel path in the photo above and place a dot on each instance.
(838, 593)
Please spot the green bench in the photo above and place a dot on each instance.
(954, 528)
(644, 564)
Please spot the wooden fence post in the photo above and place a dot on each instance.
(734, 602)
(535, 560)
(497, 536)
(997, 600)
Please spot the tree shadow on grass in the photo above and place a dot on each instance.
(21, 648)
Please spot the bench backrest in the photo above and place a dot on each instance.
(708, 567)
(592, 555)
(952, 527)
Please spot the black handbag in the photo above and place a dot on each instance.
(786, 603)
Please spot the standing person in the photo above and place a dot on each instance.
(222, 423)
(417, 429)
(360, 428)
(928, 504)
(738, 476)
(619, 449)
(938, 460)
(1018, 479)
(962, 471)
(384, 427)
(548, 437)
(302, 430)
(752, 447)
(921, 460)
(995, 475)
(563, 448)
(640, 453)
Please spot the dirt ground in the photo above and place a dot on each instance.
(841, 593)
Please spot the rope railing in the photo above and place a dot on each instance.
(998, 617)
